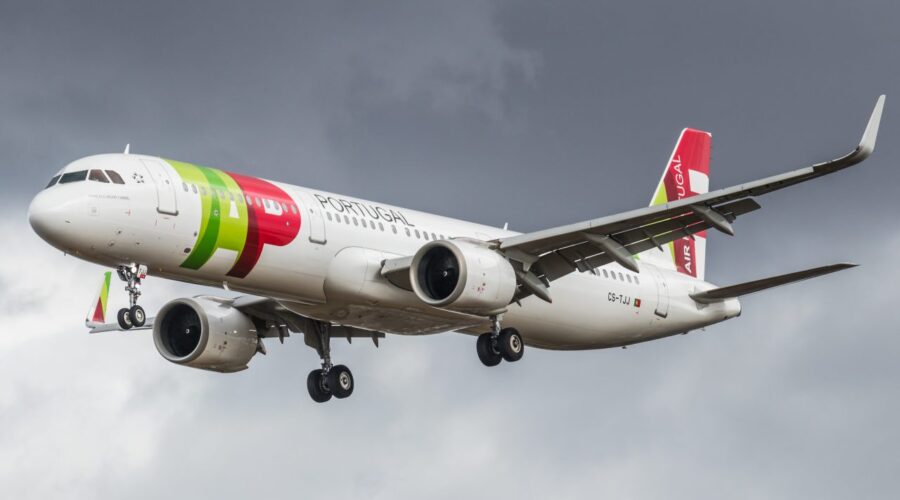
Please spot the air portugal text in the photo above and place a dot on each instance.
(363, 209)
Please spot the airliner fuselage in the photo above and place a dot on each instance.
(320, 254)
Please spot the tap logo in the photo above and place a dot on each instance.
(239, 213)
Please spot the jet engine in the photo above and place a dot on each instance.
(462, 275)
(204, 333)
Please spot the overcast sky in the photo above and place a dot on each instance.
(536, 114)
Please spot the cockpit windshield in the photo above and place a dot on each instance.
(73, 176)
(104, 176)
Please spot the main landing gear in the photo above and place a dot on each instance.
(330, 380)
(499, 344)
(134, 315)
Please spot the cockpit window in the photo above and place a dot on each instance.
(73, 176)
(97, 175)
(115, 177)
(52, 181)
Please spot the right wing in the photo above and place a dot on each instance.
(547, 255)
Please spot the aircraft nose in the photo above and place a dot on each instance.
(47, 217)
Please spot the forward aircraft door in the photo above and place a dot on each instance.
(662, 291)
(165, 188)
(314, 220)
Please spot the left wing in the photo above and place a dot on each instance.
(548, 255)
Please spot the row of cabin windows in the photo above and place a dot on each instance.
(250, 200)
(621, 276)
(380, 226)
(90, 175)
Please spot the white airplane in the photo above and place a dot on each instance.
(327, 265)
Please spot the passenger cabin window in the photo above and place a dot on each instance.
(73, 177)
(115, 177)
(52, 181)
(97, 175)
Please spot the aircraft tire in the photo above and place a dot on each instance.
(317, 390)
(486, 352)
(138, 316)
(510, 344)
(124, 319)
(340, 381)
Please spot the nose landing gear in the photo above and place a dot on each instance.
(499, 344)
(134, 315)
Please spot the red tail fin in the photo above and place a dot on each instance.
(686, 175)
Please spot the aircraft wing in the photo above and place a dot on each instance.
(552, 253)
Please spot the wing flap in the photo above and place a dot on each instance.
(583, 256)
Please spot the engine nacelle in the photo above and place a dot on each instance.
(203, 333)
(464, 276)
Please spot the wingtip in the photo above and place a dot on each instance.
(867, 143)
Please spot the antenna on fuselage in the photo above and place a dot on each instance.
(127, 149)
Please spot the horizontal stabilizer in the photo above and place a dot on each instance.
(114, 327)
(729, 292)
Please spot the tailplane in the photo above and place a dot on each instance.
(730, 292)
(686, 175)
(97, 313)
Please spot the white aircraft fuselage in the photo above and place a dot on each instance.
(320, 254)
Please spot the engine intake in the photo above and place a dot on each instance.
(462, 275)
(206, 334)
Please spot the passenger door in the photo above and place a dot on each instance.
(165, 187)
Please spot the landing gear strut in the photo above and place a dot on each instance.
(330, 380)
(499, 344)
(134, 315)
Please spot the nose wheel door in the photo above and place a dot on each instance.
(165, 186)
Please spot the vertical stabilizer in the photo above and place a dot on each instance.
(686, 175)
(97, 313)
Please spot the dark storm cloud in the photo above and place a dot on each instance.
(537, 114)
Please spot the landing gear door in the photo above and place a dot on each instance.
(165, 187)
(314, 219)
(662, 292)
